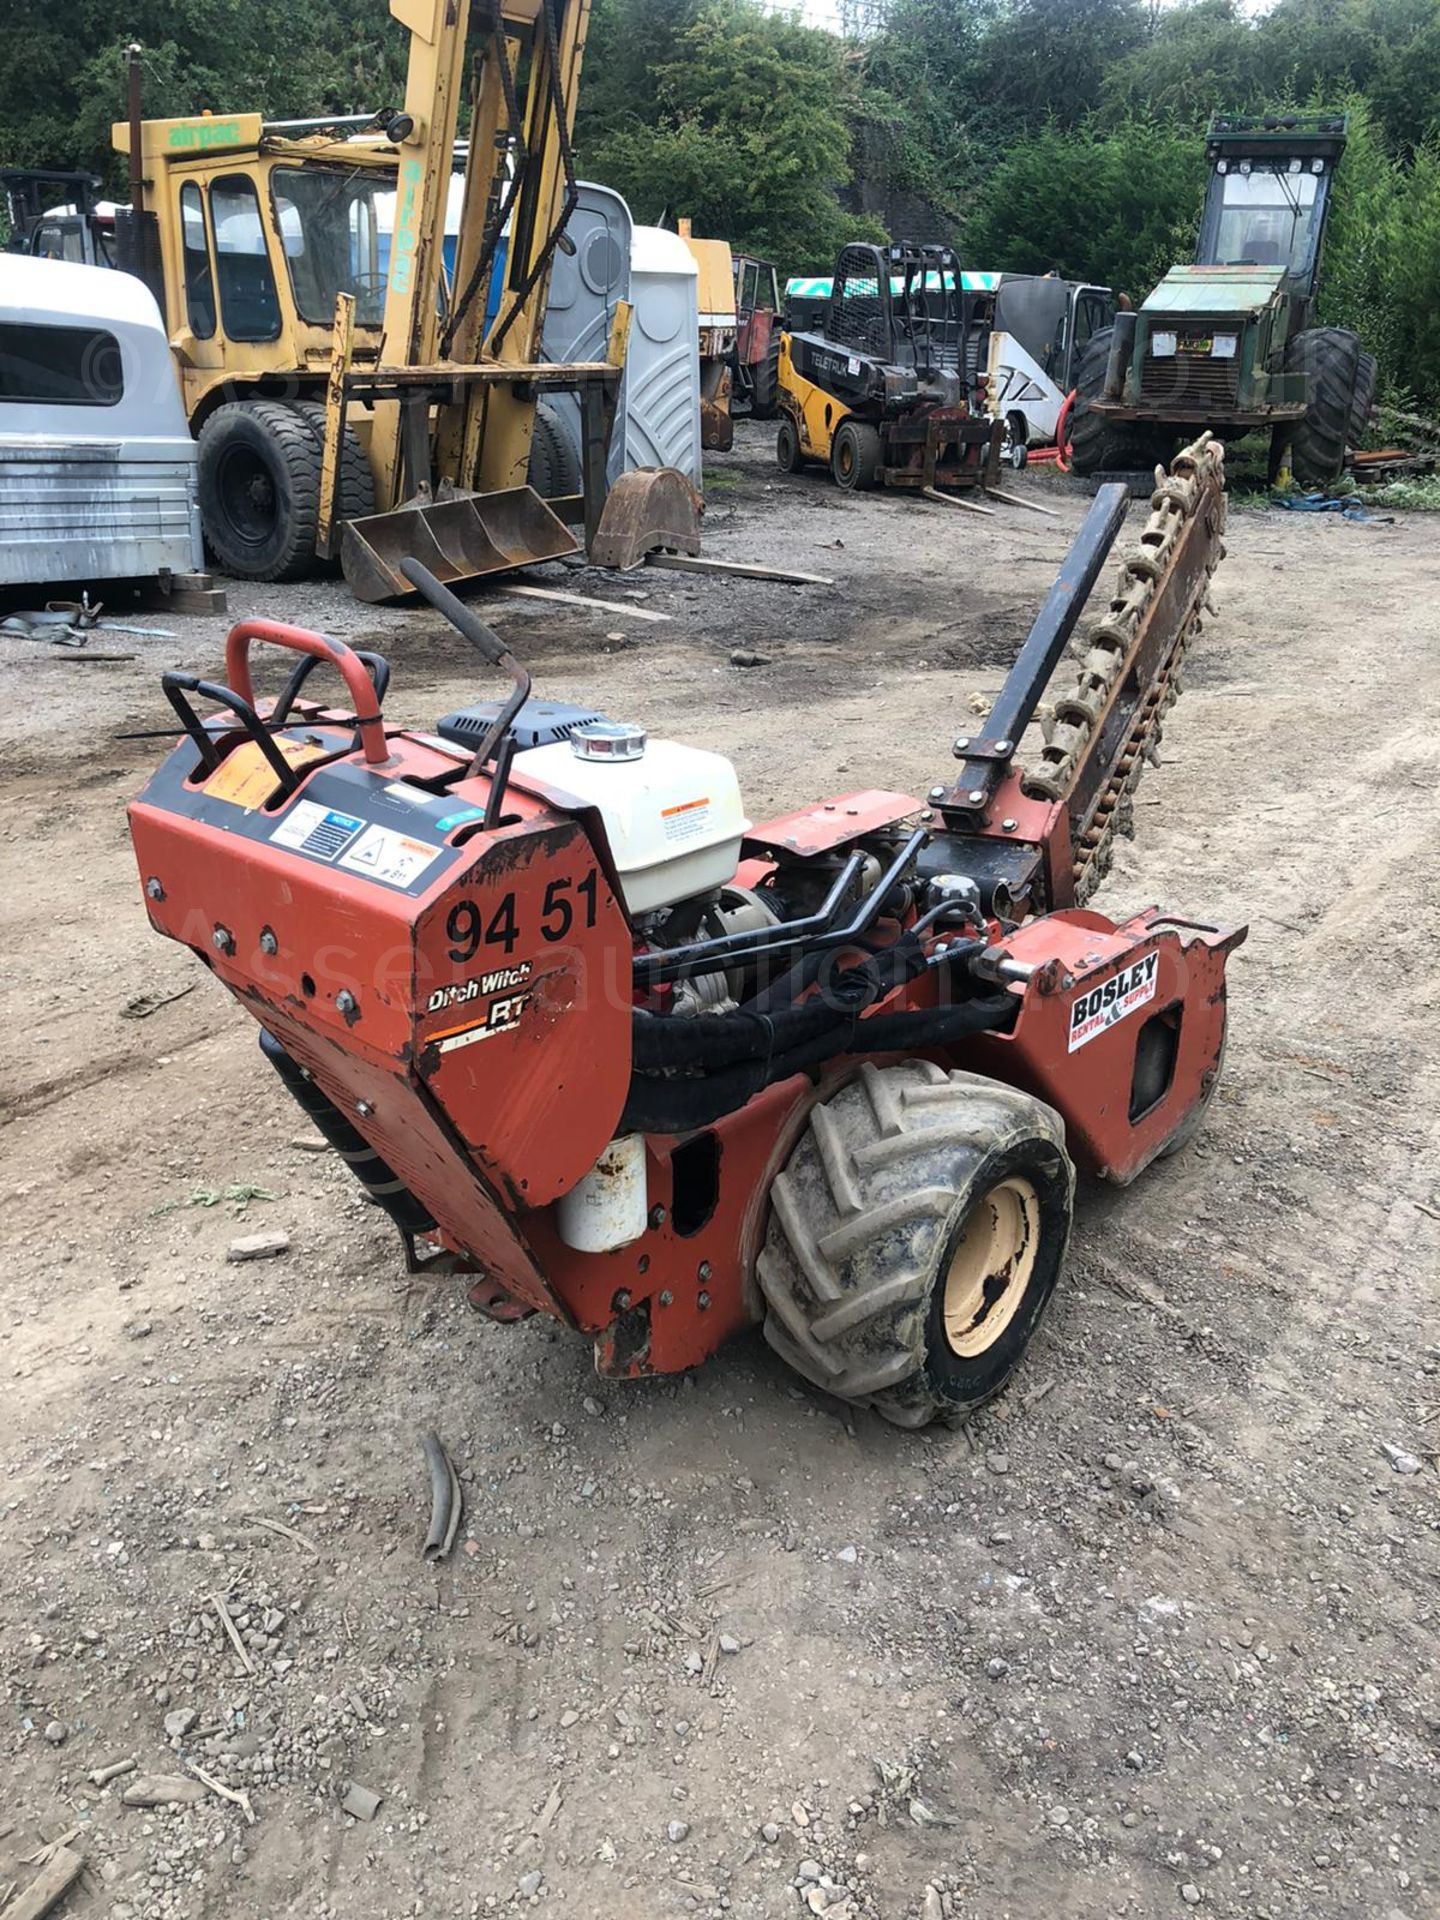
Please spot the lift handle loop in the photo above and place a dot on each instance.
(364, 699)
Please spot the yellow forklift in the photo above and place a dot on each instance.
(888, 387)
(354, 392)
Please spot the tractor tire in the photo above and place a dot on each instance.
(554, 472)
(788, 456)
(1330, 359)
(765, 382)
(258, 480)
(855, 456)
(357, 482)
(1098, 445)
(915, 1235)
(1362, 405)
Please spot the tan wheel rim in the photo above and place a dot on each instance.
(991, 1266)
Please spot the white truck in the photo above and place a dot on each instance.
(1039, 329)
(97, 466)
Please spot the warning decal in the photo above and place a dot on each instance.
(684, 821)
(1113, 1000)
(382, 854)
(245, 778)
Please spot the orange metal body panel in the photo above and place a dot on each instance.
(1086, 1071)
(831, 823)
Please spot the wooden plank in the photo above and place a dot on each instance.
(1019, 500)
(49, 1886)
(953, 500)
(206, 599)
(610, 607)
(740, 569)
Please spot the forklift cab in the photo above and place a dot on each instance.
(78, 229)
(1269, 193)
(901, 305)
(86, 240)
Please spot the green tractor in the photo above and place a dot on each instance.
(1226, 343)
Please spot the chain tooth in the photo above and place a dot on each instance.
(1102, 654)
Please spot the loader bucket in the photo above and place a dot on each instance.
(649, 508)
(459, 539)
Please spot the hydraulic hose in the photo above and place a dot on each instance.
(681, 1105)
(661, 1042)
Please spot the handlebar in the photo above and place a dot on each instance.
(364, 698)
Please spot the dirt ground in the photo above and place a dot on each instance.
(1158, 1631)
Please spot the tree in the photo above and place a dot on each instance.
(1047, 59)
(748, 135)
(1115, 208)
(1200, 59)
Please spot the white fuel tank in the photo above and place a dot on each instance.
(672, 813)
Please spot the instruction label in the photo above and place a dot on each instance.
(1113, 1000)
(321, 831)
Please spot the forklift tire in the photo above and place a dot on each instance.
(1016, 449)
(788, 456)
(1330, 359)
(1098, 445)
(1362, 406)
(554, 470)
(915, 1235)
(258, 480)
(855, 456)
(765, 382)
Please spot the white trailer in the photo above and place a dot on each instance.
(97, 466)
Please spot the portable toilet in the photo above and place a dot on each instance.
(587, 283)
(662, 400)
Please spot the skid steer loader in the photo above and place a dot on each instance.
(609, 1052)
(352, 396)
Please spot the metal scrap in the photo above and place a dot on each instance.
(69, 623)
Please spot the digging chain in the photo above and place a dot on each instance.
(1106, 648)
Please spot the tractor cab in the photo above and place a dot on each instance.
(1269, 193)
